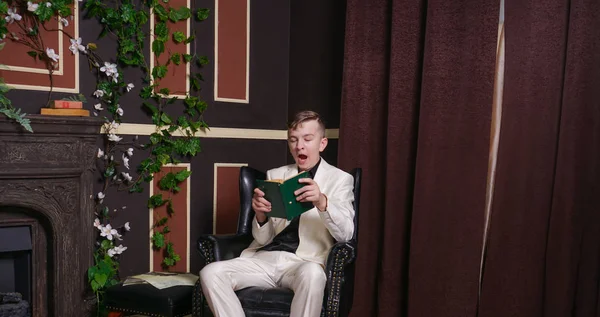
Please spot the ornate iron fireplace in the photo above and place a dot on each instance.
(46, 181)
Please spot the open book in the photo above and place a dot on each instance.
(280, 193)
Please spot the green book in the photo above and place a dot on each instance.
(280, 194)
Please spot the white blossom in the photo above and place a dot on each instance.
(64, 21)
(98, 107)
(126, 176)
(51, 54)
(115, 76)
(129, 87)
(97, 223)
(113, 125)
(109, 68)
(108, 232)
(118, 236)
(125, 161)
(114, 138)
(127, 227)
(120, 249)
(76, 45)
(12, 16)
(111, 252)
(120, 111)
(101, 195)
(32, 6)
(95, 114)
(130, 151)
(48, 4)
(100, 153)
(98, 93)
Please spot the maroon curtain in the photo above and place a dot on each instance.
(416, 111)
(544, 247)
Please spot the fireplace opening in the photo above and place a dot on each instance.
(15, 270)
(25, 263)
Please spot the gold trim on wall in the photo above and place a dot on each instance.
(218, 133)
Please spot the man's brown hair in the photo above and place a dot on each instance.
(304, 116)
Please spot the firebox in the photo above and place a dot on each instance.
(15, 260)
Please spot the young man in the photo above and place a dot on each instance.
(286, 253)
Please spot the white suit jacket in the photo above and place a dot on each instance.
(317, 230)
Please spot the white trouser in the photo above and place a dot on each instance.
(265, 269)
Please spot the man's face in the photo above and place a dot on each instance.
(306, 142)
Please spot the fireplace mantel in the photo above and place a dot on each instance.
(50, 174)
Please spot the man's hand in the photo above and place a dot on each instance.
(260, 205)
(311, 192)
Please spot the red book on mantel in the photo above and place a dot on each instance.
(66, 104)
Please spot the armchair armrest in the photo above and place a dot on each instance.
(339, 270)
(216, 248)
(222, 247)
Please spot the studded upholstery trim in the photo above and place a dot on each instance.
(137, 312)
(343, 255)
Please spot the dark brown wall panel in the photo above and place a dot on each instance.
(316, 58)
(232, 48)
(227, 205)
(178, 222)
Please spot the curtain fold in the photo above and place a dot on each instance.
(544, 246)
(416, 112)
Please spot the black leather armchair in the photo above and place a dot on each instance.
(258, 301)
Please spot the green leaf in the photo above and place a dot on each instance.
(106, 244)
(166, 230)
(100, 279)
(127, 13)
(178, 37)
(170, 210)
(110, 171)
(33, 54)
(187, 58)
(161, 222)
(158, 240)
(156, 201)
(189, 39)
(168, 182)
(195, 83)
(163, 158)
(202, 14)
(95, 286)
(187, 146)
(182, 175)
(159, 71)
(146, 92)
(175, 58)
(165, 91)
(150, 107)
(182, 13)
(203, 60)
(154, 139)
(158, 47)
(161, 31)
(168, 262)
(165, 118)
(161, 12)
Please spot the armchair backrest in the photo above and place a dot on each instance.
(248, 177)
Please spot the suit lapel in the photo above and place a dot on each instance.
(321, 176)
